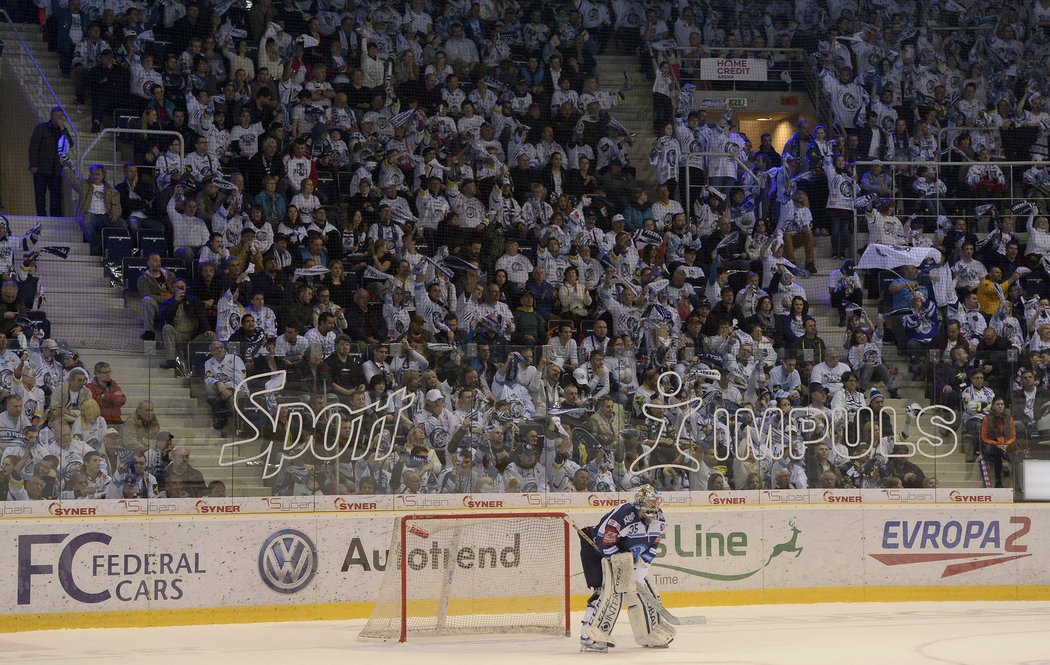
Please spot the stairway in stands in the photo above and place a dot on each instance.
(63, 87)
(87, 313)
(90, 316)
(635, 112)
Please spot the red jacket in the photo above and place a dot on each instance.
(109, 401)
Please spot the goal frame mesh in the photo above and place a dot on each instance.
(404, 523)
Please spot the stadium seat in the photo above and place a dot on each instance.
(149, 242)
(116, 244)
(131, 268)
(343, 180)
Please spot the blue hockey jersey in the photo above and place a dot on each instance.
(622, 530)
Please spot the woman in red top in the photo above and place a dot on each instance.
(998, 436)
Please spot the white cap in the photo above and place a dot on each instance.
(618, 218)
(434, 395)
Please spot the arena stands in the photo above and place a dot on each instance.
(522, 216)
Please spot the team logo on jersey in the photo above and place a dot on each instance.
(71, 469)
(288, 561)
(517, 409)
(850, 101)
(439, 438)
(846, 188)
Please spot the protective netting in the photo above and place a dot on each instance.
(490, 574)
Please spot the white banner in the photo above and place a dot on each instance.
(890, 257)
(80, 567)
(733, 69)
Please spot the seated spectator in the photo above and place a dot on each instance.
(155, 285)
(976, 401)
(223, 374)
(98, 205)
(107, 393)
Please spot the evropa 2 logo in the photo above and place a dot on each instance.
(976, 544)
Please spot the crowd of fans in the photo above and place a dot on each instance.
(63, 435)
(438, 198)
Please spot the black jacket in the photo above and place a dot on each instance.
(43, 149)
(142, 203)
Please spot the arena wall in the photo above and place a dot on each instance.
(166, 562)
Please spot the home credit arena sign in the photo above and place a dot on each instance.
(733, 69)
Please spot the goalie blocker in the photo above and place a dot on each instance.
(616, 555)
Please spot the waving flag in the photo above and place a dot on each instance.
(372, 273)
(616, 125)
(890, 257)
(59, 251)
(728, 240)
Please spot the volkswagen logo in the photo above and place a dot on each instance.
(288, 561)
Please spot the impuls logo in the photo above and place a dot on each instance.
(288, 561)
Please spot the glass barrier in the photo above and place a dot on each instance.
(283, 417)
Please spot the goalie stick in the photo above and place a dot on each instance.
(647, 592)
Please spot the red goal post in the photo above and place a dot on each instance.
(475, 573)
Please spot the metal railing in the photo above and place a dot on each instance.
(960, 199)
(115, 132)
(688, 185)
(20, 65)
(786, 69)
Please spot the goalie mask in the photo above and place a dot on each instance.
(648, 502)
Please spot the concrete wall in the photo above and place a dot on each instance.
(16, 184)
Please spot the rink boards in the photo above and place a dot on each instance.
(140, 563)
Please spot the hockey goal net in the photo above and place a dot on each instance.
(474, 574)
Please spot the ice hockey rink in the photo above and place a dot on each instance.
(957, 633)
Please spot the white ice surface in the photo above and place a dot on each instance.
(956, 633)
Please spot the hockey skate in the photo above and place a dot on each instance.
(587, 645)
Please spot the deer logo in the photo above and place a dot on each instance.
(788, 547)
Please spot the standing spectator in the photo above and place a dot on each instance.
(44, 163)
(107, 393)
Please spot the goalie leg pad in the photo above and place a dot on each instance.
(650, 629)
(603, 620)
(619, 573)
